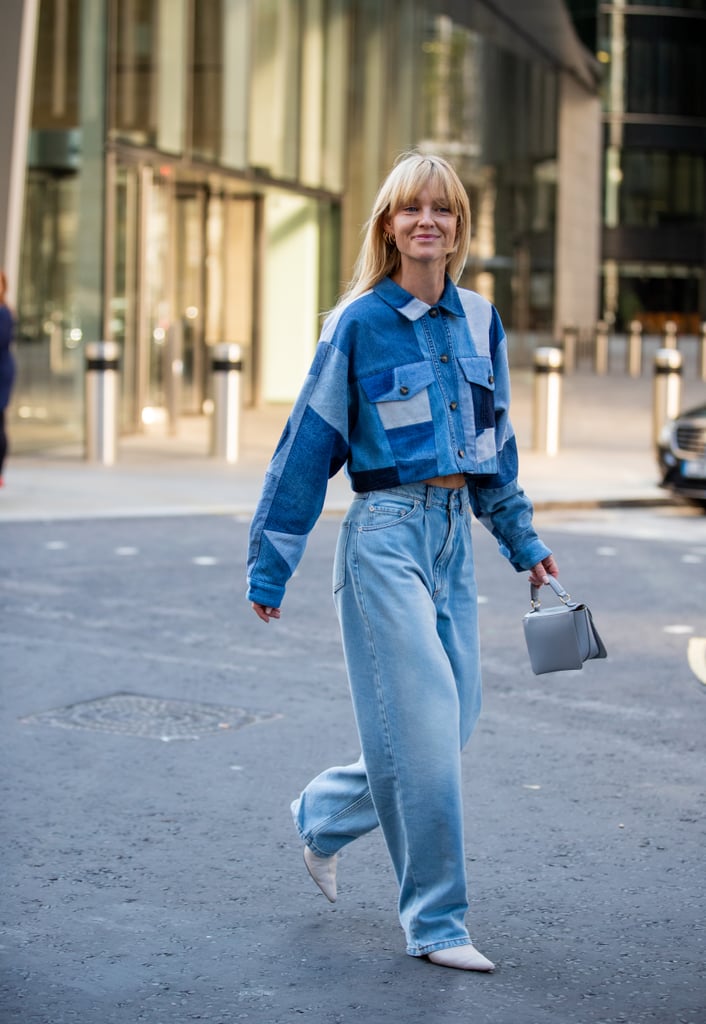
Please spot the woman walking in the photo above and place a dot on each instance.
(409, 390)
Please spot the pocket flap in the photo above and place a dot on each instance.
(478, 370)
(399, 383)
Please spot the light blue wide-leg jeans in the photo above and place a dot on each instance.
(405, 592)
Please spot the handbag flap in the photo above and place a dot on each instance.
(552, 640)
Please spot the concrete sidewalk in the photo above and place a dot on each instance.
(606, 458)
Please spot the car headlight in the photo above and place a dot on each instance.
(665, 434)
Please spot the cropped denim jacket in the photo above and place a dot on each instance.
(398, 392)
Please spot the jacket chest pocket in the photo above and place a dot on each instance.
(400, 394)
(478, 373)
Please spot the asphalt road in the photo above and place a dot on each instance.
(153, 732)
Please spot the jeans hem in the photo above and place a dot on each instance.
(308, 837)
(432, 947)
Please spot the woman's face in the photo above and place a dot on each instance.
(424, 230)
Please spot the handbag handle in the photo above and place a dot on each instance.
(556, 587)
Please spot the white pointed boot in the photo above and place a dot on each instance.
(323, 871)
(463, 958)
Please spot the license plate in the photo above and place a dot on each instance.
(694, 469)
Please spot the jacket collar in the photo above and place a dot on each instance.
(413, 308)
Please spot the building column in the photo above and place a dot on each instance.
(91, 238)
(17, 50)
(578, 230)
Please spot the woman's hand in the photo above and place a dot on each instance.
(264, 612)
(540, 572)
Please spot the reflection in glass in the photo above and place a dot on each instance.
(134, 46)
(207, 80)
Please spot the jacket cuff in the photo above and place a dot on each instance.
(265, 594)
(529, 555)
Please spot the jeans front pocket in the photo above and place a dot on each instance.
(384, 510)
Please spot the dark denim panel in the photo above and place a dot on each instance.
(414, 443)
(478, 372)
(374, 479)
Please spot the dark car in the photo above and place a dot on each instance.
(681, 452)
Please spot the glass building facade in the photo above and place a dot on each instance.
(199, 172)
(654, 142)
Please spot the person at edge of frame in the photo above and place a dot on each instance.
(7, 367)
(409, 389)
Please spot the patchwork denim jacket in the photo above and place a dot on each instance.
(398, 392)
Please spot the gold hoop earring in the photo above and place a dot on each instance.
(390, 239)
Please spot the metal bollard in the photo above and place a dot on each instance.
(173, 354)
(667, 388)
(635, 349)
(102, 365)
(546, 428)
(702, 352)
(601, 356)
(670, 334)
(225, 428)
(569, 340)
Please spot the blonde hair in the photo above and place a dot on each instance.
(411, 173)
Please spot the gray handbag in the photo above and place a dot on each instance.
(562, 637)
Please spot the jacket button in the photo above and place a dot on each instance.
(433, 311)
(461, 454)
(404, 391)
(453, 405)
(491, 379)
(444, 358)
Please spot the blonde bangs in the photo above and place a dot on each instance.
(413, 178)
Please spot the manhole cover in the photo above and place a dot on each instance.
(152, 717)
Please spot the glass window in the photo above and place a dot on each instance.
(653, 294)
(207, 79)
(47, 396)
(123, 294)
(335, 86)
(235, 79)
(148, 82)
(275, 87)
(55, 97)
(312, 92)
(452, 94)
(323, 93)
(658, 188)
(171, 81)
(666, 72)
(655, 62)
(134, 97)
(544, 201)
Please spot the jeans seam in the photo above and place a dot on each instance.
(442, 562)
